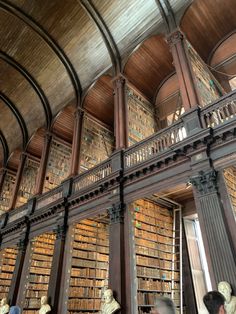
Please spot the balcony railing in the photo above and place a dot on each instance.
(154, 145)
(92, 176)
(222, 110)
(49, 197)
(18, 213)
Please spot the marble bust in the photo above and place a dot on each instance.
(111, 305)
(230, 301)
(4, 307)
(45, 307)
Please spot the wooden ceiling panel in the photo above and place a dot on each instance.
(14, 160)
(151, 60)
(64, 124)
(69, 24)
(129, 20)
(168, 88)
(20, 92)
(100, 100)
(35, 145)
(31, 51)
(11, 127)
(207, 22)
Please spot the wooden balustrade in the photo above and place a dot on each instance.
(49, 197)
(92, 176)
(220, 111)
(154, 144)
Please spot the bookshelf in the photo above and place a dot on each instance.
(208, 87)
(41, 256)
(7, 191)
(89, 266)
(28, 181)
(7, 264)
(156, 245)
(141, 117)
(58, 165)
(230, 180)
(97, 144)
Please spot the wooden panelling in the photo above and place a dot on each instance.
(14, 160)
(64, 124)
(152, 61)
(35, 145)
(100, 100)
(206, 22)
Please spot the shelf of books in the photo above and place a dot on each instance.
(230, 180)
(141, 117)
(41, 256)
(7, 191)
(58, 165)
(156, 246)
(97, 144)
(89, 266)
(7, 264)
(207, 85)
(28, 181)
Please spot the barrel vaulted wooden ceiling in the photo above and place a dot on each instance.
(55, 53)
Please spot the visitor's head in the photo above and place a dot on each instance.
(43, 300)
(225, 289)
(108, 296)
(163, 305)
(214, 302)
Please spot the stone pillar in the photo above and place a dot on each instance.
(18, 180)
(120, 113)
(117, 254)
(188, 90)
(15, 283)
(76, 144)
(57, 263)
(219, 250)
(43, 164)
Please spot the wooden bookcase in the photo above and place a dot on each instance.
(58, 165)
(28, 181)
(7, 191)
(155, 247)
(89, 262)
(7, 265)
(141, 117)
(230, 180)
(97, 144)
(41, 256)
(208, 87)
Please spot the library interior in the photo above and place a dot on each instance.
(117, 153)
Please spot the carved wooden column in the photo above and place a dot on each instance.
(18, 180)
(15, 283)
(2, 178)
(43, 164)
(117, 254)
(57, 263)
(76, 144)
(188, 91)
(219, 249)
(120, 113)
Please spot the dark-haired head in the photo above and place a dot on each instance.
(214, 302)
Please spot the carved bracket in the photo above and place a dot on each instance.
(206, 182)
(116, 213)
(60, 231)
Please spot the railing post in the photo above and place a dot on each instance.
(192, 121)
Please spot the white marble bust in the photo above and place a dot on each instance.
(111, 305)
(230, 301)
(4, 307)
(45, 308)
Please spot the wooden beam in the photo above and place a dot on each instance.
(106, 34)
(29, 21)
(18, 116)
(33, 83)
(5, 148)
